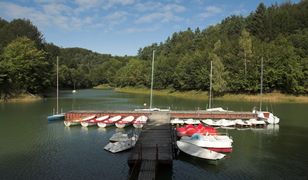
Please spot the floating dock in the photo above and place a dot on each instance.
(154, 147)
(201, 114)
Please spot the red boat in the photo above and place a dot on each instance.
(189, 130)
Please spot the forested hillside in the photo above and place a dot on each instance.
(277, 34)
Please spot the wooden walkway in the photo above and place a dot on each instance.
(154, 146)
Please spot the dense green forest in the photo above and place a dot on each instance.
(277, 34)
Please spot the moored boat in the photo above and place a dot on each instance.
(119, 146)
(109, 122)
(92, 122)
(125, 122)
(78, 121)
(219, 143)
(56, 117)
(268, 117)
(140, 121)
(199, 152)
(177, 121)
(191, 121)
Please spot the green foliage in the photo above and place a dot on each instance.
(26, 66)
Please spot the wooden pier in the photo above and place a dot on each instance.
(154, 146)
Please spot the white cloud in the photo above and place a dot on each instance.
(159, 17)
(210, 11)
(174, 7)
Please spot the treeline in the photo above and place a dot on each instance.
(28, 63)
(277, 34)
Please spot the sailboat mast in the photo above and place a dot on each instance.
(261, 84)
(152, 80)
(57, 85)
(210, 96)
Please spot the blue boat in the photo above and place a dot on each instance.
(56, 117)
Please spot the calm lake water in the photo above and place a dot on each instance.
(33, 148)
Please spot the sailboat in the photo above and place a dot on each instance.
(265, 115)
(219, 109)
(151, 95)
(57, 116)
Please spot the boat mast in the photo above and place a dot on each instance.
(211, 75)
(261, 84)
(152, 80)
(57, 85)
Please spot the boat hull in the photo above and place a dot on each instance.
(56, 117)
(70, 123)
(138, 125)
(122, 125)
(86, 124)
(103, 125)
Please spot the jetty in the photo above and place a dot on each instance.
(155, 147)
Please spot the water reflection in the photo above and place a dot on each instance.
(84, 130)
(101, 130)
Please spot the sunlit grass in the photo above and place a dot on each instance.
(202, 95)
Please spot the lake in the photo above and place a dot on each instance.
(33, 148)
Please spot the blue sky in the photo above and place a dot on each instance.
(121, 27)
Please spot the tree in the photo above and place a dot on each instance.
(26, 66)
(245, 44)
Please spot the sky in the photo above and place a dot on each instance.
(121, 27)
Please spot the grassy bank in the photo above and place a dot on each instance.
(23, 98)
(201, 95)
(103, 86)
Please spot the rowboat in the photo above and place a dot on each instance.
(109, 121)
(176, 121)
(92, 122)
(125, 122)
(191, 121)
(218, 143)
(199, 152)
(119, 146)
(78, 121)
(140, 121)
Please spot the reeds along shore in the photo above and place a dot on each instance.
(203, 95)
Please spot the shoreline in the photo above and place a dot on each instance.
(24, 98)
(274, 97)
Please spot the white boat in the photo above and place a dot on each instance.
(109, 122)
(209, 122)
(140, 121)
(176, 121)
(218, 109)
(268, 117)
(191, 121)
(69, 123)
(225, 123)
(119, 137)
(264, 115)
(94, 121)
(255, 122)
(199, 152)
(242, 123)
(115, 147)
(219, 143)
(125, 122)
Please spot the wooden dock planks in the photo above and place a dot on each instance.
(154, 145)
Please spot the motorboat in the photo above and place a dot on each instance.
(109, 122)
(125, 122)
(268, 117)
(199, 152)
(218, 143)
(119, 146)
(189, 130)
